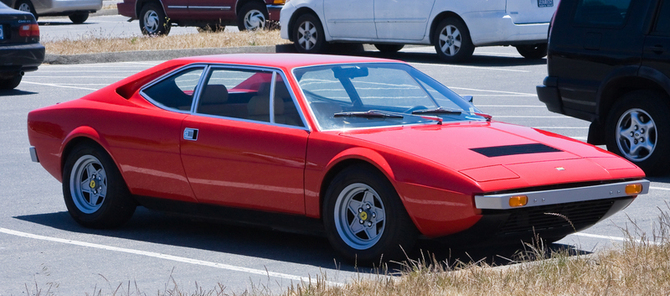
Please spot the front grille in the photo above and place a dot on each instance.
(567, 217)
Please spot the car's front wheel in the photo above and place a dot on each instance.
(308, 34)
(11, 82)
(95, 193)
(532, 51)
(252, 16)
(452, 40)
(364, 218)
(153, 20)
(79, 17)
(638, 128)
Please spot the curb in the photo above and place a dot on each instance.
(155, 55)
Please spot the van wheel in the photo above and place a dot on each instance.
(153, 20)
(308, 34)
(638, 128)
(452, 40)
(389, 48)
(79, 17)
(26, 6)
(533, 51)
(253, 16)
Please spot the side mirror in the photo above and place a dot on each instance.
(469, 99)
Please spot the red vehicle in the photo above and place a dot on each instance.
(371, 151)
(158, 16)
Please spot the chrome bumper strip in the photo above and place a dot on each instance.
(559, 196)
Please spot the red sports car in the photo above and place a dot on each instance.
(371, 151)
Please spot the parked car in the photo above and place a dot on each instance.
(455, 28)
(622, 88)
(20, 48)
(157, 17)
(372, 151)
(77, 11)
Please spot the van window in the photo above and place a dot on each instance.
(662, 26)
(601, 13)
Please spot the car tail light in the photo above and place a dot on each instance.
(29, 30)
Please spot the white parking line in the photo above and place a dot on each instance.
(166, 257)
(615, 238)
(531, 116)
(90, 77)
(513, 106)
(561, 127)
(495, 91)
(58, 85)
(659, 188)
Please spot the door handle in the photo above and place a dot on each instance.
(657, 49)
(191, 134)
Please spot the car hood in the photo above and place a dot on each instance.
(494, 151)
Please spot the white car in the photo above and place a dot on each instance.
(76, 10)
(455, 27)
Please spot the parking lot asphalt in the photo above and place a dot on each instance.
(43, 247)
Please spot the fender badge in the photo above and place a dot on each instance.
(560, 169)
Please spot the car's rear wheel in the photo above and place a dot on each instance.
(389, 48)
(79, 17)
(308, 34)
(153, 20)
(638, 128)
(532, 51)
(95, 193)
(452, 40)
(252, 16)
(10, 83)
(364, 218)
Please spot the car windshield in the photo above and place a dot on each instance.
(366, 95)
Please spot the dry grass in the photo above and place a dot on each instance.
(188, 41)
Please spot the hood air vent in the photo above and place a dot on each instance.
(514, 150)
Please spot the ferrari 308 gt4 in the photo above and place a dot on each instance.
(371, 151)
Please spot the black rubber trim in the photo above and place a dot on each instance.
(514, 150)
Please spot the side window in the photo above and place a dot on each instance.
(245, 94)
(601, 13)
(662, 26)
(176, 91)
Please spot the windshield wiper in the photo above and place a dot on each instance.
(368, 114)
(438, 110)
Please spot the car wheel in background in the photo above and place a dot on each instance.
(389, 48)
(308, 34)
(27, 6)
(532, 51)
(95, 193)
(252, 16)
(10, 83)
(638, 128)
(452, 40)
(79, 17)
(153, 20)
(364, 218)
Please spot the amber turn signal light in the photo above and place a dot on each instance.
(278, 2)
(633, 189)
(518, 201)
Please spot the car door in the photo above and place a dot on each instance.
(350, 19)
(400, 20)
(245, 144)
(531, 11)
(212, 9)
(656, 53)
(175, 9)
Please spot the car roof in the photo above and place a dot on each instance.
(283, 60)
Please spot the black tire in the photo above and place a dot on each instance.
(533, 51)
(79, 17)
(308, 34)
(153, 20)
(648, 145)
(252, 16)
(10, 83)
(452, 40)
(27, 6)
(373, 239)
(95, 193)
(389, 48)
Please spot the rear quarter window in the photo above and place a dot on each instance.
(601, 13)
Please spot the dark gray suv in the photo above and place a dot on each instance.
(609, 63)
